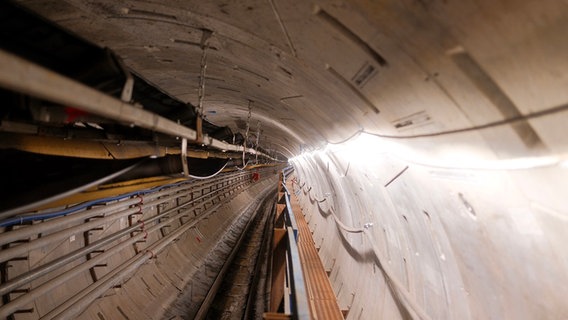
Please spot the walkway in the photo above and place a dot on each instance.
(323, 303)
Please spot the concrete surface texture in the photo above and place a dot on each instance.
(461, 183)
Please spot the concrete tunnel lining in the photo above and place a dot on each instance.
(470, 222)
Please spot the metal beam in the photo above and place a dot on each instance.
(26, 77)
(23, 76)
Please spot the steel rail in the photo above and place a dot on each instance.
(206, 303)
(263, 250)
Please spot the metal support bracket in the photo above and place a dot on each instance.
(184, 157)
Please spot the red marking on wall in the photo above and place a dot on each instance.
(73, 114)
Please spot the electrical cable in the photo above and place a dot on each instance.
(210, 176)
(243, 167)
(488, 125)
(14, 211)
(400, 288)
(356, 133)
(27, 218)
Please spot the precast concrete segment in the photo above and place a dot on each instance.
(487, 265)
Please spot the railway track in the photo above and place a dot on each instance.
(100, 246)
(242, 292)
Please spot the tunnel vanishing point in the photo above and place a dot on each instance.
(284, 159)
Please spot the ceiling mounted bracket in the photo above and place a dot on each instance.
(201, 92)
(184, 157)
(257, 139)
(128, 88)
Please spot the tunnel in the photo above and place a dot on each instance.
(271, 159)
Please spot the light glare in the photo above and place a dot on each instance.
(364, 150)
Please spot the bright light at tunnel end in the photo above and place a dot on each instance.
(364, 149)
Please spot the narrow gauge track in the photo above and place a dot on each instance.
(105, 243)
(241, 292)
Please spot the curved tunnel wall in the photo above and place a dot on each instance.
(472, 224)
(466, 243)
(152, 254)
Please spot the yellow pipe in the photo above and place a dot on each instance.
(111, 190)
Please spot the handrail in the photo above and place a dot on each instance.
(289, 217)
(298, 295)
(286, 171)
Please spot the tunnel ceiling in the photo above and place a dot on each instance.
(315, 72)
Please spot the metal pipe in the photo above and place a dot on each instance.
(48, 226)
(14, 305)
(239, 180)
(44, 288)
(83, 299)
(65, 233)
(54, 224)
(22, 249)
(29, 78)
(41, 271)
(52, 265)
(14, 211)
(202, 312)
(23, 76)
(300, 306)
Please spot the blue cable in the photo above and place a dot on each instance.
(20, 220)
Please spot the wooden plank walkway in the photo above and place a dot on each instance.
(323, 303)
